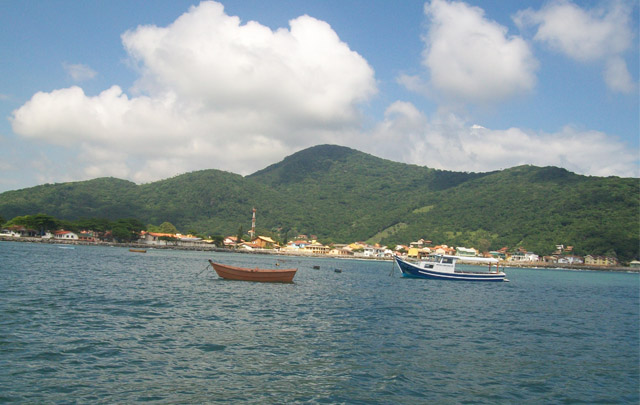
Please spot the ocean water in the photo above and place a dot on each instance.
(104, 325)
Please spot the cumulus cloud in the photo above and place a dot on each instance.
(79, 72)
(471, 58)
(302, 73)
(212, 92)
(446, 141)
(599, 34)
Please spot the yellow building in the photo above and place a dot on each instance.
(317, 248)
(264, 242)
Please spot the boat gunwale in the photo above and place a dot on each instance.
(254, 270)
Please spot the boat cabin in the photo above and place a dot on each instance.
(447, 264)
(440, 263)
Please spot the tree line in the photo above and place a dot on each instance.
(121, 230)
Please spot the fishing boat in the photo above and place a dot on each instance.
(138, 250)
(254, 274)
(443, 267)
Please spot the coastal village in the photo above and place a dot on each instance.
(308, 245)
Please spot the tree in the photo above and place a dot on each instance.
(167, 227)
(131, 224)
(68, 225)
(19, 220)
(127, 230)
(240, 234)
(483, 244)
(121, 234)
(100, 225)
(611, 253)
(43, 222)
(218, 240)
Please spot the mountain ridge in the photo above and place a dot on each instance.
(341, 195)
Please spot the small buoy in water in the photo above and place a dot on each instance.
(338, 271)
(316, 267)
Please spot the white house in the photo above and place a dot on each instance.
(19, 231)
(156, 238)
(65, 235)
(468, 252)
(516, 258)
(191, 241)
(528, 257)
(376, 251)
(9, 232)
(570, 260)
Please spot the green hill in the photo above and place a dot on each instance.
(343, 195)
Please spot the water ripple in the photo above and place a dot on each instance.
(100, 325)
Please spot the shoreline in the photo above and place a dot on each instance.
(207, 248)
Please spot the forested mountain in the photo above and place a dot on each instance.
(343, 195)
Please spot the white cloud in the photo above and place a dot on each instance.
(450, 143)
(472, 59)
(305, 73)
(212, 93)
(217, 93)
(578, 33)
(617, 76)
(599, 34)
(79, 72)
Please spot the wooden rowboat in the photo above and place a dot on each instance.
(255, 274)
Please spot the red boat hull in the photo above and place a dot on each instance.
(255, 274)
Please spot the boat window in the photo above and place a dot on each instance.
(447, 260)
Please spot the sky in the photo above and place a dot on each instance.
(146, 90)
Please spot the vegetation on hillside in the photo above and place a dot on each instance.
(342, 195)
(121, 230)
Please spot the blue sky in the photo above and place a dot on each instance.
(145, 90)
